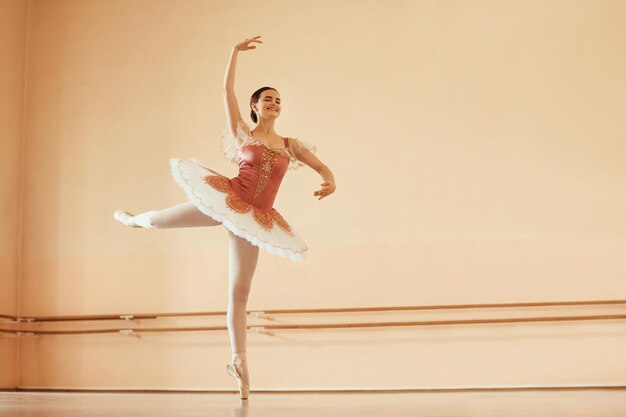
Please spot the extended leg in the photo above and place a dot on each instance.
(181, 215)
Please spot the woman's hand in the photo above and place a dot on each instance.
(327, 189)
(245, 45)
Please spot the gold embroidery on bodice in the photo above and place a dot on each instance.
(267, 165)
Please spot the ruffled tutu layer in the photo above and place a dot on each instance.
(212, 194)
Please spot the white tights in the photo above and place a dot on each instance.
(242, 261)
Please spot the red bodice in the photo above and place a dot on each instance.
(261, 170)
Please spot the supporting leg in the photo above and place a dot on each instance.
(242, 261)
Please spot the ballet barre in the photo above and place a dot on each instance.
(267, 328)
(270, 312)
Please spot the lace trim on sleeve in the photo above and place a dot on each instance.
(295, 147)
(230, 148)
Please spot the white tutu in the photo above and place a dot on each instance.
(210, 192)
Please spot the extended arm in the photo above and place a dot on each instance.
(308, 158)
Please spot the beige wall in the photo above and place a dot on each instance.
(479, 156)
(13, 30)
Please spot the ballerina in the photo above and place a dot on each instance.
(242, 204)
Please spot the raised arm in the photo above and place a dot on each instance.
(233, 116)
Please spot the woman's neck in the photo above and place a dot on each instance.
(265, 127)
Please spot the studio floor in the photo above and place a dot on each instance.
(570, 403)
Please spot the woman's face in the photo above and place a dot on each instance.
(268, 105)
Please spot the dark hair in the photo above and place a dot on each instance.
(255, 99)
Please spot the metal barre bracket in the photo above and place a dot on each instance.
(259, 329)
(25, 320)
(127, 317)
(259, 314)
(126, 332)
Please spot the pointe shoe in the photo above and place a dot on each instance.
(125, 218)
(236, 370)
